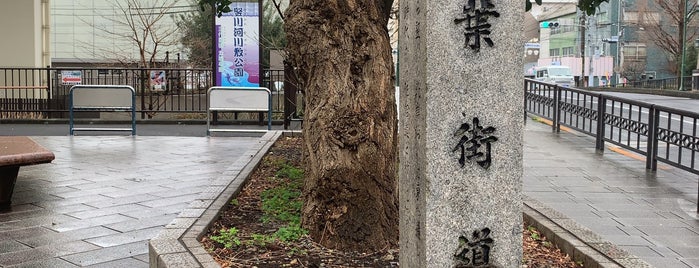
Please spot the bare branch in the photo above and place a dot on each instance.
(279, 10)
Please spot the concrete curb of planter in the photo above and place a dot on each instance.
(575, 240)
(178, 245)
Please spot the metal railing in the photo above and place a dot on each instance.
(181, 94)
(662, 134)
(667, 83)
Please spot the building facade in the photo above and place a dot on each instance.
(115, 31)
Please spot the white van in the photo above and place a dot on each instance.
(555, 74)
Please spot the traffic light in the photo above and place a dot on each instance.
(548, 24)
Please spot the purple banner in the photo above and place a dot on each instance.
(237, 46)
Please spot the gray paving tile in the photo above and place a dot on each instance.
(156, 211)
(87, 223)
(686, 252)
(105, 211)
(104, 255)
(121, 263)
(18, 234)
(636, 214)
(168, 192)
(129, 199)
(46, 263)
(660, 223)
(628, 240)
(667, 231)
(138, 190)
(44, 252)
(68, 236)
(81, 193)
(71, 201)
(143, 257)
(11, 245)
(126, 237)
(691, 262)
(136, 224)
(667, 262)
(162, 202)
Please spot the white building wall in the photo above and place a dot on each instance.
(95, 31)
(21, 29)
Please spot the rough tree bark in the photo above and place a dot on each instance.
(342, 53)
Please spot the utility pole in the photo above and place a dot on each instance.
(583, 25)
(683, 35)
(592, 31)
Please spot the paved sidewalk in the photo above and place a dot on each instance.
(650, 215)
(103, 198)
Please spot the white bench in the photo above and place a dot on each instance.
(238, 99)
(103, 98)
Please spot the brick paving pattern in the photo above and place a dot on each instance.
(103, 198)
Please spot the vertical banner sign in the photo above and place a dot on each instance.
(237, 36)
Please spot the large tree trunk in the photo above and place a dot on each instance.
(343, 55)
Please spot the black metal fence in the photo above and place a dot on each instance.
(662, 134)
(667, 83)
(162, 93)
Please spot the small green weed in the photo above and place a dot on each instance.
(228, 238)
(290, 233)
(283, 203)
(234, 202)
(297, 251)
(261, 240)
(290, 172)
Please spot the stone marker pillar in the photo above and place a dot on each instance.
(461, 133)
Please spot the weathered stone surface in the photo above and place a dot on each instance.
(447, 81)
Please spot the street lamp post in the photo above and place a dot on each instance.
(682, 44)
(685, 19)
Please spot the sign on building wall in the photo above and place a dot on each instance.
(237, 38)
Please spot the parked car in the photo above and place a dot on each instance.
(555, 74)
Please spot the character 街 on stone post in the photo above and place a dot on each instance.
(475, 137)
(476, 21)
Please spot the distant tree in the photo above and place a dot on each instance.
(663, 24)
(197, 36)
(632, 71)
(273, 36)
(143, 25)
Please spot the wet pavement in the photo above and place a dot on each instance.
(104, 197)
(652, 215)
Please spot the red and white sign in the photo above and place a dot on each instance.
(71, 77)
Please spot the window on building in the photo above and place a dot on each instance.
(641, 17)
(568, 51)
(565, 26)
(554, 52)
(635, 52)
